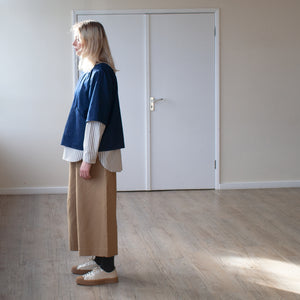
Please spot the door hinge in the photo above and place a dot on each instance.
(215, 164)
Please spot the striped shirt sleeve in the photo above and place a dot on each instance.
(92, 137)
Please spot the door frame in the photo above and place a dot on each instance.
(147, 13)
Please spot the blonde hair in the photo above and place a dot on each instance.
(95, 47)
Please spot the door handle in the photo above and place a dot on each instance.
(153, 101)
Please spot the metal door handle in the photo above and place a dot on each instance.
(153, 101)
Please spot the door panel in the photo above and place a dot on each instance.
(182, 125)
(126, 36)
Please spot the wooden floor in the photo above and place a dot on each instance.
(240, 244)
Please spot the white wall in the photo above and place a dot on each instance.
(260, 75)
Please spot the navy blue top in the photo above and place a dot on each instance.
(95, 99)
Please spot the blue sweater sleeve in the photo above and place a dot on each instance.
(101, 96)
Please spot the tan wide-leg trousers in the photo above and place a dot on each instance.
(92, 212)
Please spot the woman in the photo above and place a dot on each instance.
(92, 141)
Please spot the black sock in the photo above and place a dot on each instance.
(106, 263)
(98, 260)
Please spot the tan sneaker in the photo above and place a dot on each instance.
(98, 276)
(84, 268)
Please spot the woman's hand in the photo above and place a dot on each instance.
(85, 170)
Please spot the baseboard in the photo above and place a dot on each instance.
(260, 185)
(33, 190)
(222, 186)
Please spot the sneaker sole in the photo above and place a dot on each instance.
(80, 280)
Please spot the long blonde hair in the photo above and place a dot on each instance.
(95, 47)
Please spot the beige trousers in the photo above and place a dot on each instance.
(92, 218)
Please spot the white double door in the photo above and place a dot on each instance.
(169, 57)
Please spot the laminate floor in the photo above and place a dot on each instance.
(238, 244)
